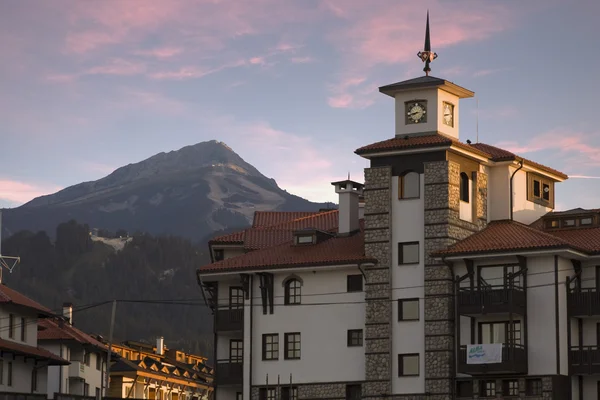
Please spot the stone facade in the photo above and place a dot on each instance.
(378, 344)
(443, 227)
(552, 388)
(310, 391)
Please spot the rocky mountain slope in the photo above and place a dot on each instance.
(192, 192)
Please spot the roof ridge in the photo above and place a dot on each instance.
(317, 214)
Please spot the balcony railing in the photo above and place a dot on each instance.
(491, 300)
(583, 302)
(584, 360)
(77, 369)
(514, 361)
(229, 373)
(229, 319)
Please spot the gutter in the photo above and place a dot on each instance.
(511, 187)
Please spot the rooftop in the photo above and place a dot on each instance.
(58, 329)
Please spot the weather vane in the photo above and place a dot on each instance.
(427, 55)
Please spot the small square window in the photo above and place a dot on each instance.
(304, 239)
(355, 337)
(266, 393)
(292, 346)
(487, 388)
(510, 387)
(408, 365)
(586, 221)
(408, 253)
(408, 309)
(536, 188)
(270, 343)
(219, 254)
(354, 283)
(533, 387)
(568, 222)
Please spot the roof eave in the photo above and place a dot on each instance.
(532, 251)
(282, 268)
(393, 89)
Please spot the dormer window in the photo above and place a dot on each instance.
(586, 221)
(219, 254)
(540, 190)
(568, 223)
(304, 239)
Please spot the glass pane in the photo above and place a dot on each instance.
(499, 333)
(410, 253)
(411, 185)
(410, 309)
(536, 188)
(410, 365)
(486, 337)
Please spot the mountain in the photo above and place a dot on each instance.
(192, 192)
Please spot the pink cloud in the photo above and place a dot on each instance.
(301, 60)
(257, 61)
(161, 52)
(486, 72)
(21, 192)
(118, 67)
(350, 93)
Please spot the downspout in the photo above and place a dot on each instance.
(511, 187)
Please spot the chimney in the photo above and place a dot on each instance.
(68, 312)
(348, 211)
(160, 345)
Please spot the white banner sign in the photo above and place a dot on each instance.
(484, 353)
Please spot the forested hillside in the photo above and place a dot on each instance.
(149, 269)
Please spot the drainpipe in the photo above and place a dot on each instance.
(511, 187)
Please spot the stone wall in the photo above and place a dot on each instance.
(378, 344)
(312, 391)
(549, 391)
(443, 227)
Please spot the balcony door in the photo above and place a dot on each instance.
(236, 298)
(498, 332)
(236, 351)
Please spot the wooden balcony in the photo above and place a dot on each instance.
(491, 300)
(584, 360)
(229, 373)
(583, 302)
(514, 361)
(229, 319)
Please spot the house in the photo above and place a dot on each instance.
(22, 362)
(87, 356)
(456, 279)
(144, 371)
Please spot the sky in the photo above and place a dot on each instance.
(291, 85)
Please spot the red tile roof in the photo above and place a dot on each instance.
(11, 296)
(54, 329)
(30, 351)
(410, 142)
(587, 239)
(235, 237)
(505, 235)
(269, 218)
(334, 251)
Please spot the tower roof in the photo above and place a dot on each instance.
(426, 82)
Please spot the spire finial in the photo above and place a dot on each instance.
(348, 175)
(427, 55)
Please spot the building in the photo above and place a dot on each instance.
(87, 356)
(22, 361)
(144, 371)
(457, 280)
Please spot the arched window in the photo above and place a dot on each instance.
(292, 291)
(409, 185)
(464, 187)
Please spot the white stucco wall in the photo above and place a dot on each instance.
(52, 375)
(434, 98)
(523, 210)
(30, 325)
(408, 219)
(325, 356)
(21, 376)
(498, 193)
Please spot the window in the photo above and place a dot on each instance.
(289, 393)
(34, 380)
(553, 223)
(408, 309)
(97, 393)
(533, 387)
(464, 187)
(9, 374)
(408, 185)
(540, 190)
(86, 389)
(510, 387)
(219, 254)
(353, 392)
(266, 394)
(236, 297)
(408, 253)
(304, 239)
(586, 221)
(99, 361)
(236, 350)
(292, 346)
(292, 291)
(408, 364)
(567, 223)
(354, 283)
(23, 329)
(497, 332)
(464, 388)
(487, 388)
(11, 326)
(86, 358)
(270, 345)
(355, 337)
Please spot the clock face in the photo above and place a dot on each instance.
(416, 112)
(448, 114)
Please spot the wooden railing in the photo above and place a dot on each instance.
(229, 373)
(491, 299)
(584, 360)
(584, 301)
(229, 319)
(514, 361)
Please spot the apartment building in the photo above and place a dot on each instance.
(454, 279)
